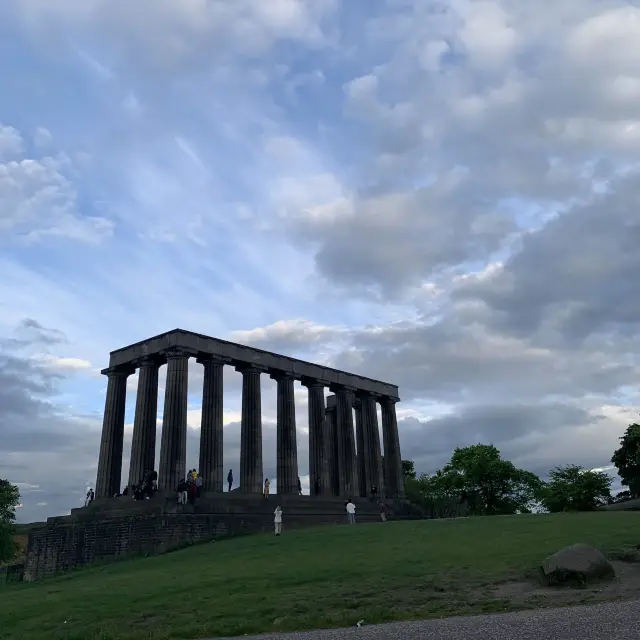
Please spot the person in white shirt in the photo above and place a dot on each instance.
(277, 520)
(351, 511)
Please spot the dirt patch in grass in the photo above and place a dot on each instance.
(626, 584)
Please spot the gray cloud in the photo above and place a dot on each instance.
(576, 276)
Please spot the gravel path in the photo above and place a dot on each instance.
(619, 620)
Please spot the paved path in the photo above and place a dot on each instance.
(619, 620)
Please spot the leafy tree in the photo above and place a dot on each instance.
(621, 496)
(574, 488)
(478, 477)
(408, 469)
(627, 459)
(9, 500)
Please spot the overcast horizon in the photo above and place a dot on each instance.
(441, 195)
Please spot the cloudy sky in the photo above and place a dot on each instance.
(439, 194)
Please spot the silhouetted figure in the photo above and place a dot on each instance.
(230, 479)
(265, 491)
(299, 486)
(316, 487)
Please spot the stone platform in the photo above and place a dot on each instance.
(114, 528)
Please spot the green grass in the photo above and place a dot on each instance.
(322, 577)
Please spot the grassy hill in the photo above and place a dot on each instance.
(322, 577)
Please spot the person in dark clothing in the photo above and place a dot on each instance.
(230, 479)
(192, 492)
(374, 491)
(316, 487)
(299, 486)
(183, 489)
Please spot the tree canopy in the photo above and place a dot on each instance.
(627, 459)
(478, 477)
(574, 488)
(9, 500)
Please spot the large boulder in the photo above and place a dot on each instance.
(577, 564)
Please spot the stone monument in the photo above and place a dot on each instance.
(347, 458)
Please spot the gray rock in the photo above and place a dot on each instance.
(577, 564)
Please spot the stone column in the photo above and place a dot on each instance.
(287, 453)
(373, 467)
(173, 449)
(392, 456)
(143, 444)
(347, 472)
(361, 459)
(251, 430)
(331, 429)
(210, 464)
(319, 450)
(110, 460)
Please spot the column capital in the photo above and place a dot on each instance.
(147, 361)
(209, 358)
(282, 375)
(119, 371)
(365, 394)
(250, 367)
(312, 383)
(388, 399)
(337, 388)
(174, 352)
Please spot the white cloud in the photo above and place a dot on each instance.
(38, 199)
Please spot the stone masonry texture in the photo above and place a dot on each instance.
(287, 459)
(251, 431)
(143, 444)
(211, 429)
(110, 460)
(173, 452)
(125, 527)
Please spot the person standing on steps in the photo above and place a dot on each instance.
(351, 511)
(277, 520)
(299, 486)
(265, 491)
(316, 487)
(230, 479)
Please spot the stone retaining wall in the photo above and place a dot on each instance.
(88, 536)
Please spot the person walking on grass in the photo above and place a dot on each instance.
(383, 512)
(351, 511)
(277, 520)
(265, 491)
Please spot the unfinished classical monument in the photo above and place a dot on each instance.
(343, 461)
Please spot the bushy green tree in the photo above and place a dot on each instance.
(627, 459)
(479, 478)
(9, 500)
(574, 488)
(408, 469)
